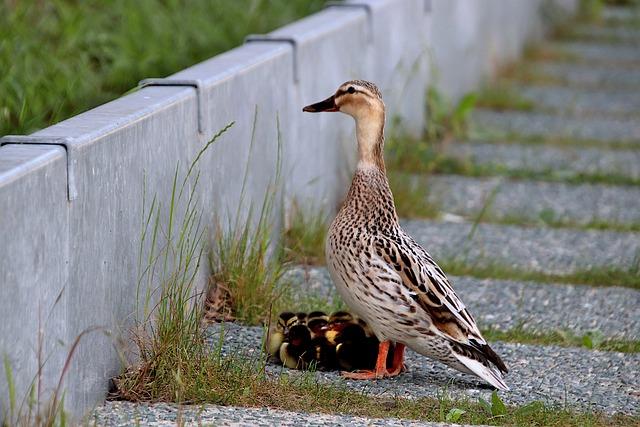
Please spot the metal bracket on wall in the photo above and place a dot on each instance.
(197, 84)
(275, 39)
(365, 6)
(66, 142)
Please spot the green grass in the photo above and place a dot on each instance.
(61, 57)
(593, 340)
(596, 276)
(304, 238)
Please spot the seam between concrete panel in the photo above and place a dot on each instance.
(65, 142)
(356, 5)
(195, 83)
(275, 39)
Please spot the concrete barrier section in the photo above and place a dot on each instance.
(71, 197)
(34, 263)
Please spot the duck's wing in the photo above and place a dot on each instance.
(432, 291)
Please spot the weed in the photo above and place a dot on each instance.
(444, 121)
(246, 274)
(503, 97)
(304, 238)
(590, 10)
(411, 197)
(168, 337)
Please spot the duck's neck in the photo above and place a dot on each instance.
(370, 135)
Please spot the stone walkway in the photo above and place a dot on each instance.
(584, 121)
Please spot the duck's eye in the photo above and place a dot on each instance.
(351, 89)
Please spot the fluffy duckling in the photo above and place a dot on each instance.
(276, 335)
(355, 350)
(296, 351)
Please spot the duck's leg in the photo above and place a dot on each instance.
(397, 365)
(381, 366)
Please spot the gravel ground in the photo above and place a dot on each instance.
(553, 125)
(582, 102)
(533, 200)
(113, 414)
(579, 378)
(627, 55)
(555, 251)
(591, 75)
(562, 160)
(505, 304)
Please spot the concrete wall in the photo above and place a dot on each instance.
(71, 195)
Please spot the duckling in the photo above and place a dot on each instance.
(382, 274)
(296, 351)
(355, 350)
(276, 336)
(317, 322)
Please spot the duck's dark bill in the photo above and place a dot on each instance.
(328, 104)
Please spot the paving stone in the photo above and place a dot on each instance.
(547, 250)
(621, 14)
(582, 101)
(602, 33)
(603, 129)
(588, 75)
(562, 161)
(116, 414)
(574, 377)
(612, 54)
(533, 201)
(536, 307)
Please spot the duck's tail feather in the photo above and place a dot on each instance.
(487, 373)
(483, 362)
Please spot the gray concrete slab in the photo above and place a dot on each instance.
(34, 263)
(588, 75)
(610, 34)
(563, 161)
(582, 102)
(602, 129)
(533, 202)
(506, 304)
(612, 55)
(553, 251)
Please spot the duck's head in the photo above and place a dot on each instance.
(357, 98)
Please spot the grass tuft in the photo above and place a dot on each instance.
(503, 97)
(304, 238)
(411, 197)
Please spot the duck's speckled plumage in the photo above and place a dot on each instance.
(382, 274)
